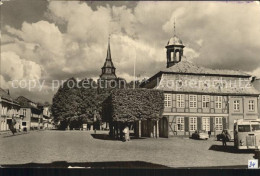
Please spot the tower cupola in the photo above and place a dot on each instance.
(174, 49)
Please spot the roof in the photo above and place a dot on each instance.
(175, 41)
(108, 63)
(190, 68)
(26, 103)
(206, 84)
(5, 95)
(108, 76)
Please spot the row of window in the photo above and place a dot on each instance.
(193, 123)
(180, 102)
(251, 105)
(5, 111)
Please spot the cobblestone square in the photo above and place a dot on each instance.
(79, 147)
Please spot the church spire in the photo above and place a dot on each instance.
(108, 70)
(108, 49)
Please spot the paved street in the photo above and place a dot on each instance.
(81, 147)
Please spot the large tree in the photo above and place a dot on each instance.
(129, 105)
(76, 103)
(65, 103)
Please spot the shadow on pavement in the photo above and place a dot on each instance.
(103, 137)
(107, 137)
(229, 149)
(217, 167)
(16, 134)
(64, 164)
(197, 139)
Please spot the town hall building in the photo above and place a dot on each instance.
(199, 98)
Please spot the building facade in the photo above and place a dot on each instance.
(9, 108)
(47, 118)
(198, 98)
(256, 84)
(31, 114)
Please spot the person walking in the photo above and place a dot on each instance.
(126, 133)
(224, 140)
(95, 122)
(209, 133)
(11, 125)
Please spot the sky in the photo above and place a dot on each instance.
(46, 41)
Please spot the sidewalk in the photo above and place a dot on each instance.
(5, 132)
(18, 132)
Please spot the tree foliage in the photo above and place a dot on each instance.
(128, 105)
(76, 103)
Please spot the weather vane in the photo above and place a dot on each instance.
(174, 31)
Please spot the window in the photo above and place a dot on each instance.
(236, 105)
(24, 112)
(218, 102)
(167, 100)
(180, 100)
(3, 112)
(206, 123)
(251, 105)
(193, 101)
(205, 101)
(193, 123)
(244, 128)
(255, 127)
(172, 56)
(180, 123)
(218, 124)
(177, 56)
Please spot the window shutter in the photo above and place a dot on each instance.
(186, 123)
(224, 122)
(211, 123)
(198, 123)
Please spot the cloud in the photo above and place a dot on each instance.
(15, 68)
(215, 34)
(17, 73)
(3, 83)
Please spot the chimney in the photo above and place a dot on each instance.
(253, 78)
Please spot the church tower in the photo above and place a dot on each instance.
(108, 70)
(174, 50)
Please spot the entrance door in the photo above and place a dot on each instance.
(206, 123)
(163, 127)
(7, 123)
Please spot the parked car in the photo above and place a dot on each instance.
(200, 134)
(230, 135)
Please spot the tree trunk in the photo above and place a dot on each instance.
(154, 129)
(111, 129)
(139, 128)
(157, 128)
(121, 131)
